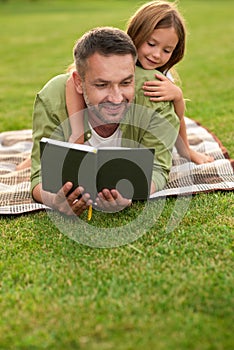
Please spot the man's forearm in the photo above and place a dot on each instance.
(41, 196)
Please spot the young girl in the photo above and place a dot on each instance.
(158, 32)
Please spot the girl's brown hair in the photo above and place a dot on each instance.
(154, 15)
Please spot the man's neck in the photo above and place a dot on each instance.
(101, 128)
(105, 130)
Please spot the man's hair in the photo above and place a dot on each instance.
(106, 41)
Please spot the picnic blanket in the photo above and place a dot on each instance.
(185, 176)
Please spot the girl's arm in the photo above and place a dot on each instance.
(75, 106)
(163, 89)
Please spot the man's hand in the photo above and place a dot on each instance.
(111, 201)
(74, 203)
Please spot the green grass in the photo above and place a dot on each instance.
(164, 291)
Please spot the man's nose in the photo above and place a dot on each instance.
(115, 95)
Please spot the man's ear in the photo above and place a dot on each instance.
(77, 82)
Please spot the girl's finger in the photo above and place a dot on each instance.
(161, 77)
(153, 94)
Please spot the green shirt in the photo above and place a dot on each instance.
(150, 124)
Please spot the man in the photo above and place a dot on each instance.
(105, 63)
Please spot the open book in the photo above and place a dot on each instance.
(129, 170)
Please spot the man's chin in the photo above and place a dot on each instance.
(112, 118)
(109, 116)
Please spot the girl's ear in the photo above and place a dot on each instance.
(77, 82)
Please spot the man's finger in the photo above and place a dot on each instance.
(65, 189)
(76, 194)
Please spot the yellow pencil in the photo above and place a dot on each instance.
(90, 211)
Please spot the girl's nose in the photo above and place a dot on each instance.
(156, 53)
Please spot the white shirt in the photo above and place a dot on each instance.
(112, 141)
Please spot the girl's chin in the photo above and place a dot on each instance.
(149, 66)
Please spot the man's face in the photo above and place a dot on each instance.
(108, 87)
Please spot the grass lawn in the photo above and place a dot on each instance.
(166, 290)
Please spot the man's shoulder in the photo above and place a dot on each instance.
(54, 85)
(145, 74)
(53, 96)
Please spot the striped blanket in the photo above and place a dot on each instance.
(185, 177)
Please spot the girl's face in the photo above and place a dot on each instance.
(157, 50)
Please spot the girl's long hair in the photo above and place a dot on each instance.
(155, 15)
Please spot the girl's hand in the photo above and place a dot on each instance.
(162, 89)
(111, 201)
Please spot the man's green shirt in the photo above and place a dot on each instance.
(148, 124)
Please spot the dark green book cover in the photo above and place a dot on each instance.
(129, 170)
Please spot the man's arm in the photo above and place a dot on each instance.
(49, 113)
(49, 116)
(44, 124)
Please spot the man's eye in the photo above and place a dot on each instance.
(100, 85)
(126, 83)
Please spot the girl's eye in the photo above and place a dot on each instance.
(151, 44)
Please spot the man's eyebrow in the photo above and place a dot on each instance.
(129, 77)
(100, 80)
